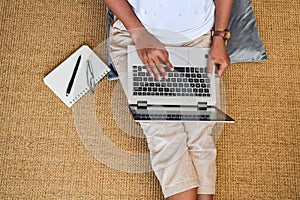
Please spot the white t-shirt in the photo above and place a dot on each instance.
(175, 21)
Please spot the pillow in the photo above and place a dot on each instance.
(245, 44)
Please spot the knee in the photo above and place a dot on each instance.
(207, 154)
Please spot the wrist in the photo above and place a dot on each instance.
(224, 34)
(217, 41)
(137, 33)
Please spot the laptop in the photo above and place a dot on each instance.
(187, 95)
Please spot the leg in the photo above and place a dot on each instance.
(205, 196)
(203, 153)
(200, 143)
(187, 195)
(174, 169)
(171, 160)
(119, 40)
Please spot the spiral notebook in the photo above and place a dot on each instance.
(76, 75)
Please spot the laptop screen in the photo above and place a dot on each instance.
(178, 113)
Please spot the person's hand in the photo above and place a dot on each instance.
(218, 57)
(152, 53)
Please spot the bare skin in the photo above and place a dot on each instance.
(218, 52)
(153, 54)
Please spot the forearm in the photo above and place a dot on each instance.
(123, 11)
(222, 14)
(218, 52)
(151, 51)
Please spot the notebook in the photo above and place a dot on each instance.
(76, 75)
(187, 95)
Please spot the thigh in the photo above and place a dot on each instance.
(199, 135)
(119, 41)
(166, 142)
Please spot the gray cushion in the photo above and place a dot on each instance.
(245, 44)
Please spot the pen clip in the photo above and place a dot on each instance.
(90, 76)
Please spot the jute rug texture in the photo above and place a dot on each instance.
(43, 155)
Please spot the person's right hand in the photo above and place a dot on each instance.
(152, 53)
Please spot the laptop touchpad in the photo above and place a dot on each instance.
(178, 56)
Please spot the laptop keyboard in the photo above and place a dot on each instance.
(183, 81)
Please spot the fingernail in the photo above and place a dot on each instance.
(208, 75)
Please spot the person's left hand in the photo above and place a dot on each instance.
(218, 57)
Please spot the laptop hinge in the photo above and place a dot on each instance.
(142, 105)
(202, 105)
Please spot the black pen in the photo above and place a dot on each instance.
(73, 76)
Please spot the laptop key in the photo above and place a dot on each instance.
(141, 74)
(137, 89)
(137, 79)
(179, 69)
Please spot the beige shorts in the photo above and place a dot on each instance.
(183, 154)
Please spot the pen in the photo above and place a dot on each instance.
(73, 76)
